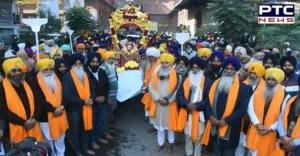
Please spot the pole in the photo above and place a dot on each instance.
(37, 46)
(181, 49)
(71, 42)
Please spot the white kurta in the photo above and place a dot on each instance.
(161, 119)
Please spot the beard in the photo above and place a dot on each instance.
(195, 77)
(181, 70)
(17, 79)
(253, 82)
(164, 71)
(215, 68)
(80, 73)
(94, 69)
(288, 72)
(225, 83)
(269, 92)
(50, 81)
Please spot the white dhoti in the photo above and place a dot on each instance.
(189, 148)
(240, 150)
(58, 145)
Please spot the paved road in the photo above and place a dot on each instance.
(133, 138)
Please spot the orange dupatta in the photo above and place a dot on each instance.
(296, 131)
(84, 93)
(230, 104)
(269, 140)
(15, 105)
(57, 124)
(173, 114)
(182, 118)
(147, 99)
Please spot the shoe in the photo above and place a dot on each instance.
(90, 152)
(170, 148)
(95, 146)
(159, 148)
(103, 141)
(109, 137)
(151, 130)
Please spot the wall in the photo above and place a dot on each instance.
(7, 27)
(101, 11)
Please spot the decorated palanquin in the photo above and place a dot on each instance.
(126, 17)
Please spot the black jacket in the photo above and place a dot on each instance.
(101, 86)
(71, 98)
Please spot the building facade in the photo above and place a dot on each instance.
(101, 11)
(8, 21)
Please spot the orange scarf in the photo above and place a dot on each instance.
(84, 93)
(15, 105)
(269, 140)
(182, 118)
(260, 83)
(296, 131)
(57, 124)
(173, 114)
(230, 104)
(147, 99)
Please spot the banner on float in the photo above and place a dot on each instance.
(129, 84)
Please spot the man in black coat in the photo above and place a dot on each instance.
(75, 105)
(100, 87)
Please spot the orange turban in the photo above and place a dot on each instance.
(80, 46)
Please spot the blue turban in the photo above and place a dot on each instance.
(184, 59)
(91, 56)
(142, 51)
(74, 57)
(272, 57)
(291, 59)
(218, 54)
(58, 62)
(234, 61)
(198, 61)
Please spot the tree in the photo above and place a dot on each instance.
(234, 17)
(183, 29)
(79, 19)
(275, 35)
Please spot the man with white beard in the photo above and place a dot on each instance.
(79, 96)
(153, 55)
(264, 110)
(191, 97)
(163, 109)
(52, 116)
(255, 73)
(226, 105)
(182, 67)
(189, 52)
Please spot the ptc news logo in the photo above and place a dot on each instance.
(276, 14)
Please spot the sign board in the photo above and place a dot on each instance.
(5, 12)
(276, 14)
(181, 38)
(153, 26)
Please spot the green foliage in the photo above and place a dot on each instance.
(79, 19)
(276, 35)
(234, 17)
(206, 28)
(183, 29)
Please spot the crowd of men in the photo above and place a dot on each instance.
(235, 102)
(232, 100)
(47, 97)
